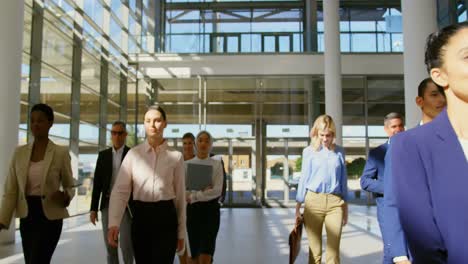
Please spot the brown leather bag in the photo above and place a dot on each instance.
(295, 240)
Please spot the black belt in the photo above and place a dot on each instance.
(162, 203)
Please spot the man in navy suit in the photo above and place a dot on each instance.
(105, 174)
(372, 179)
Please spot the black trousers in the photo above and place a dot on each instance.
(39, 235)
(154, 232)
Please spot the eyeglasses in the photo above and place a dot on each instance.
(115, 133)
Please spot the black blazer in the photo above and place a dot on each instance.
(102, 179)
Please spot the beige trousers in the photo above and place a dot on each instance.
(323, 208)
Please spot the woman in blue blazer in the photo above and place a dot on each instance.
(429, 163)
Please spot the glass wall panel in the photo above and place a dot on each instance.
(115, 6)
(89, 107)
(91, 71)
(56, 89)
(94, 10)
(60, 20)
(113, 84)
(92, 39)
(363, 29)
(115, 32)
(24, 96)
(89, 133)
(385, 89)
(86, 165)
(27, 29)
(113, 112)
(57, 49)
(188, 30)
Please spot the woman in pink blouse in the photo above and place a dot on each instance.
(155, 175)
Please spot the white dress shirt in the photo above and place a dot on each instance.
(464, 144)
(116, 161)
(153, 175)
(217, 180)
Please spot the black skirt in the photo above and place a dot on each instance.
(202, 227)
(154, 232)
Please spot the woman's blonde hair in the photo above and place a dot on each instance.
(322, 123)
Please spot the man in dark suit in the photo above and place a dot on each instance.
(107, 168)
(372, 179)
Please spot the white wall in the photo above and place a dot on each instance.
(11, 28)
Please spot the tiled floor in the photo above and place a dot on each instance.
(246, 236)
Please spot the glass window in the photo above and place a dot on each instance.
(89, 107)
(113, 112)
(385, 90)
(57, 49)
(86, 165)
(376, 112)
(115, 32)
(27, 29)
(56, 90)
(113, 87)
(92, 39)
(132, 5)
(397, 42)
(94, 10)
(357, 26)
(25, 71)
(89, 133)
(115, 6)
(363, 42)
(132, 46)
(91, 71)
(60, 11)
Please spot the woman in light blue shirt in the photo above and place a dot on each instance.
(323, 188)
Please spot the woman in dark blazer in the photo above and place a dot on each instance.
(429, 163)
(32, 188)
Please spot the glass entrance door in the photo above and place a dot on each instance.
(277, 42)
(225, 43)
(258, 124)
(239, 163)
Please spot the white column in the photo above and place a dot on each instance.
(332, 58)
(419, 20)
(11, 25)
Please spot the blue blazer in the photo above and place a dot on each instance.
(430, 180)
(372, 179)
(394, 236)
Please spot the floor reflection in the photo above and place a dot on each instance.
(246, 236)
